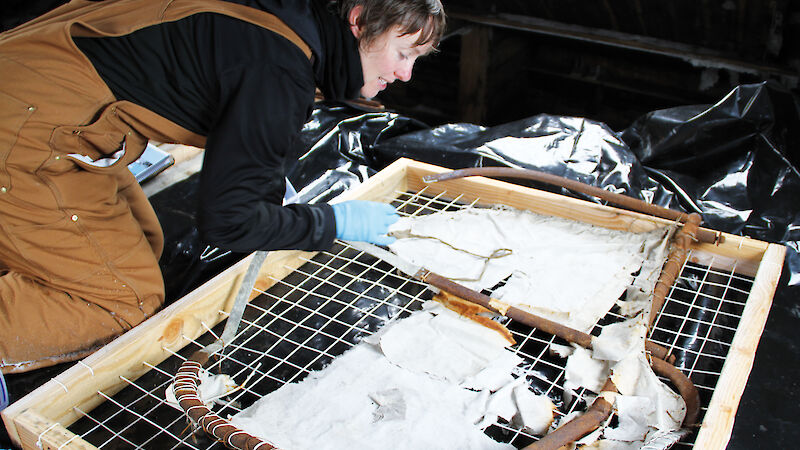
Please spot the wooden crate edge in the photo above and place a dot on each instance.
(718, 422)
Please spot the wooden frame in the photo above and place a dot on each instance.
(43, 415)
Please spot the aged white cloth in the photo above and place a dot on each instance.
(566, 271)
(410, 398)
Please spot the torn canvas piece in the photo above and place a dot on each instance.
(401, 400)
(210, 388)
(644, 406)
(566, 271)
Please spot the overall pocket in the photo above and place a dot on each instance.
(59, 249)
(103, 146)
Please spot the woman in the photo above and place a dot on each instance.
(86, 85)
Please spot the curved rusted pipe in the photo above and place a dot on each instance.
(672, 268)
(597, 413)
(685, 388)
(600, 410)
(522, 316)
(186, 385)
(624, 201)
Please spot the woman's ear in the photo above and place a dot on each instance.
(352, 19)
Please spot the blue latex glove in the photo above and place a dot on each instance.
(358, 220)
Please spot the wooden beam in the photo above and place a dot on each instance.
(738, 253)
(715, 431)
(473, 87)
(35, 430)
(694, 55)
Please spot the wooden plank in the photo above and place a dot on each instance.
(473, 92)
(39, 433)
(151, 342)
(687, 52)
(188, 161)
(490, 192)
(718, 421)
(738, 254)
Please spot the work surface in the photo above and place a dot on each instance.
(491, 193)
(771, 399)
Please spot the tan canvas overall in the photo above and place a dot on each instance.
(79, 243)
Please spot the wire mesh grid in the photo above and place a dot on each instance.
(338, 297)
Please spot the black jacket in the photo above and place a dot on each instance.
(248, 90)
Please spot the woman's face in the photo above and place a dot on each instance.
(388, 58)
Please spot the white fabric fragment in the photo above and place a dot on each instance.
(494, 376)
(591, 437)
(334, 409)
(107, 161)
(645, 403)
(639, 295)
(535, 411)
(618, 340)
(561, 350)
(584, 371)
(566, 271)
(391, 405)
(363, 400)
(443, 345)
(501, 404)
(655, 440)
(632, 412)
(209, 388)
(633, 376)
(608, 444)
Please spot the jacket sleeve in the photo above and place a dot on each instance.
(263, 109)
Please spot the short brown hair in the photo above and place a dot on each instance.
(378, 16)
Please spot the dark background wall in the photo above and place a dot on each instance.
(607, 60)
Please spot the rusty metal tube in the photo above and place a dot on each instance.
(685, 387)
(623, 201)
(597, 413)
(522, 316)
(186, 392)
(546, 325)
(672, 268)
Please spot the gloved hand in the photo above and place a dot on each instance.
(359, 220)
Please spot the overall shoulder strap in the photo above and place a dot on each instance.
(178, 9)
